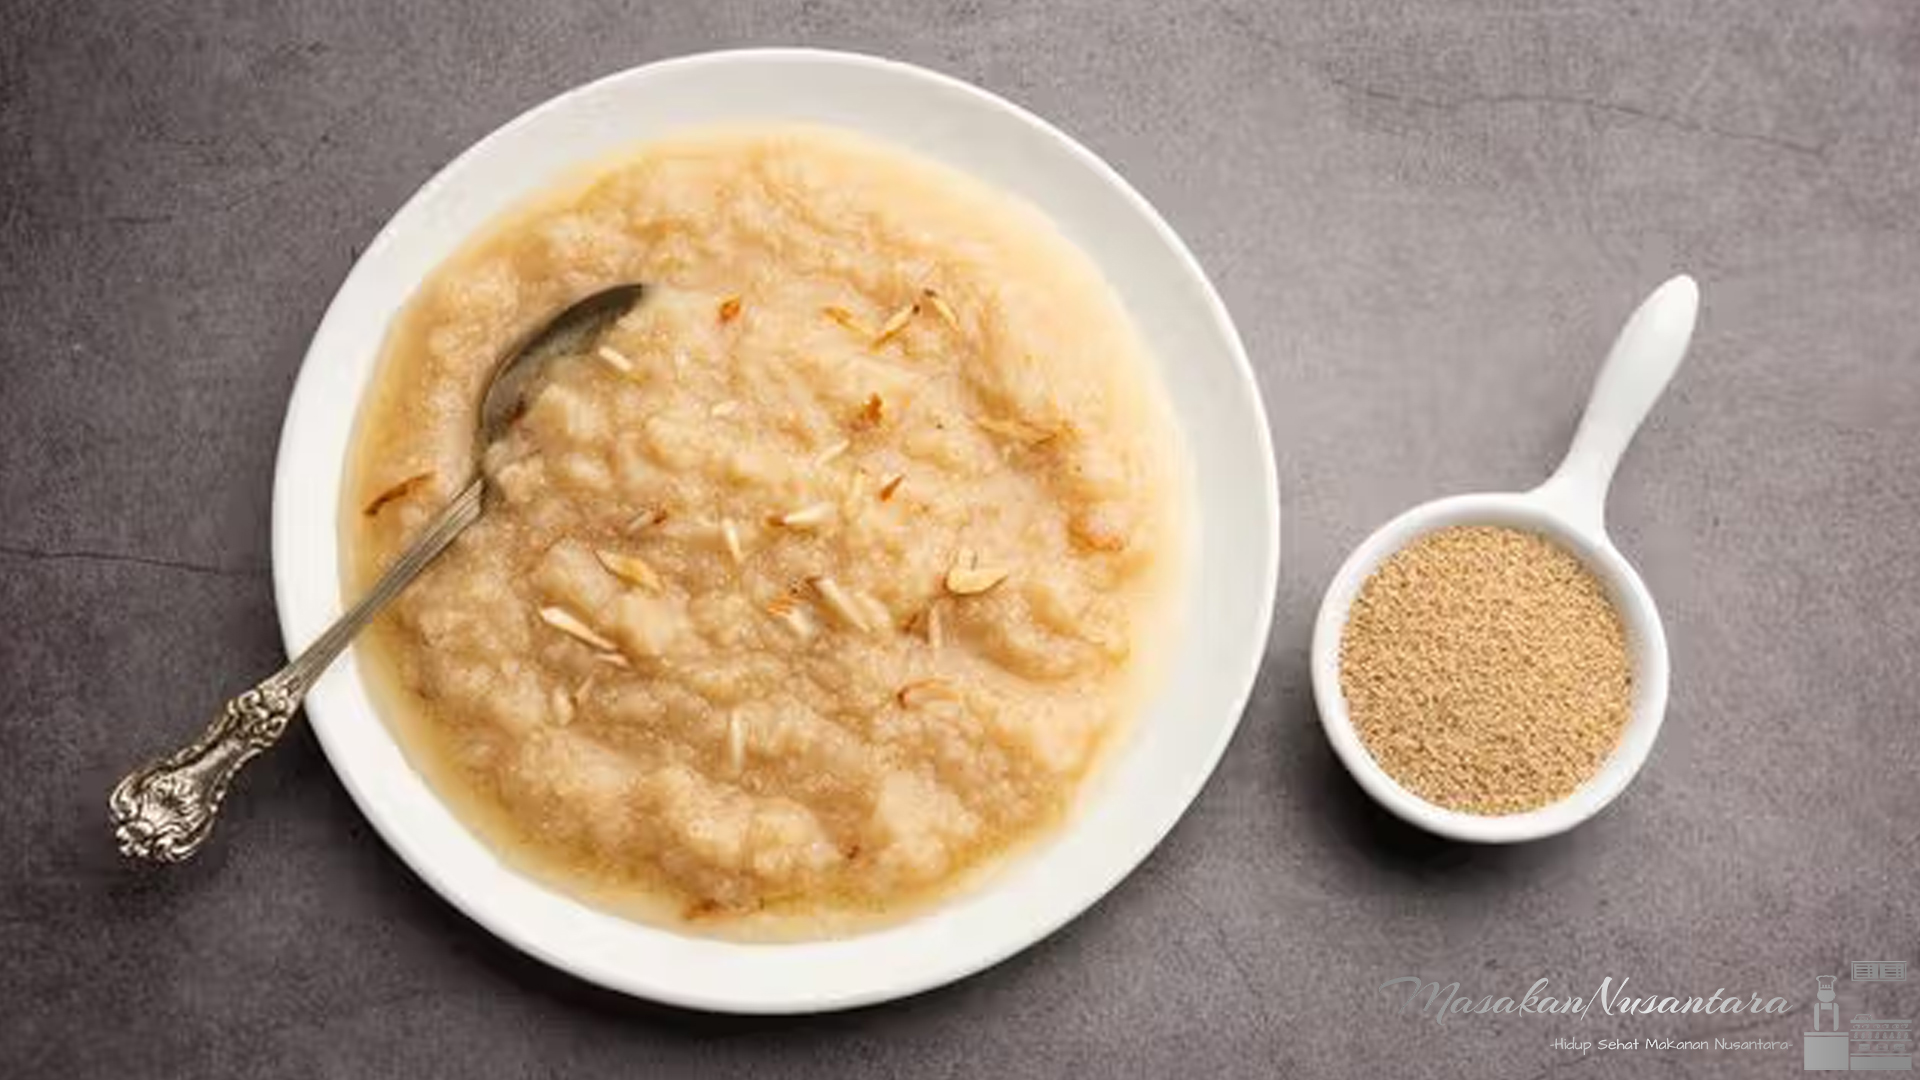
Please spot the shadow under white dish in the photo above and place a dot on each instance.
(1568, 509)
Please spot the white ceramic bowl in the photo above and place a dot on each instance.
(1568, 508)
(1142, 791)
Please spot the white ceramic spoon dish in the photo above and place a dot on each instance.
(1569, 509)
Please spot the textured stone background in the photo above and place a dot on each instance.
(1428, 220)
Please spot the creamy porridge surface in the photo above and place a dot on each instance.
(821, 583)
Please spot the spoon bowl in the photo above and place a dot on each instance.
(164, 810)
(1569, 509)
(571, 332)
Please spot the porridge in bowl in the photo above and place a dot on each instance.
(817, 586)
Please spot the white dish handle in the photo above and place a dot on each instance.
(1641, 363)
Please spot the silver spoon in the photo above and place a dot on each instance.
(165, 809)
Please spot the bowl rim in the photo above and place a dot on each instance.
(893, 968)
(1538, 512)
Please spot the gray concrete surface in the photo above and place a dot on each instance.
(1428, 220)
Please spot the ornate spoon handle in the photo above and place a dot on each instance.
(165, 809)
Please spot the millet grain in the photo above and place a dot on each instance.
(1486, 670)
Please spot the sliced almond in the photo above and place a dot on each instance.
(730, 536)
(925, 692)
(729, 309)
(614, 659)
(831, 452)
(569, 624)
(935, 626)
(890, 485)
(972, 582)
(794, 617)
(631, 569)
(1022, 431)
(895, 323)
(845, 318)
(969, 578)
(940, 307)
(646, 519)
(398, 491)
(842, 605)
(736, 744)
(807, 517)
(614, 359)
(724, 408)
